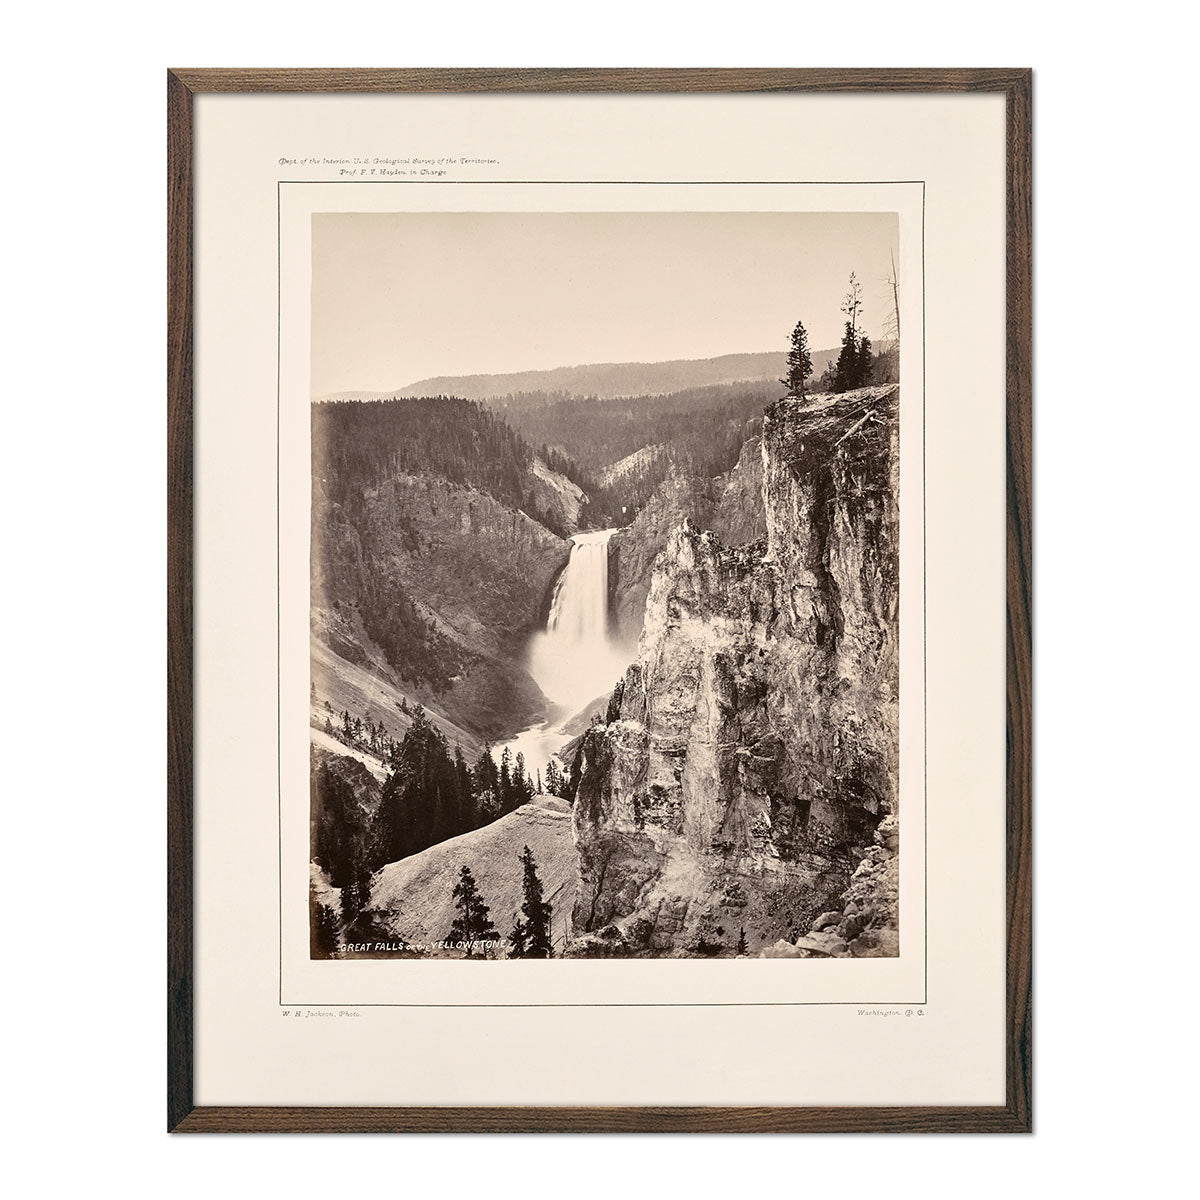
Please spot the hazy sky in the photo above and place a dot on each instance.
(398, 297)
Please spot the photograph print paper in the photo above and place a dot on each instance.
(605, 585)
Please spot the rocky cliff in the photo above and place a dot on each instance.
(437, 585)
(634, 549)
(738, 515)
(555, 498)
(731, 505)
(343, 799)
(749, 755)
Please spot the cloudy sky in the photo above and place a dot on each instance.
(398, 297)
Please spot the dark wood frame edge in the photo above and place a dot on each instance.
(180, 447)
(1016, 1114)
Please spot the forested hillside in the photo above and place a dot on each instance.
(435, 534)
(432, 794)
(703, 426)
(357, 443)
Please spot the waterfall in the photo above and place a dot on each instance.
(579, 609)
(575, 660)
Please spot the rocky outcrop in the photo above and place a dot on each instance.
(867, 924)
(635, 464)
(633, 550)
(738, 515)
(750, 753)
(731, 505)
(343, 799)
(555, 499)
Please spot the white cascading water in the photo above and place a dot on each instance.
(575, 660)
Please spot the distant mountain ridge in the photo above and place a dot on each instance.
(609, 380)
(601, 379)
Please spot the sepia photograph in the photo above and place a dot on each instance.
(570, 626)
(604, 608)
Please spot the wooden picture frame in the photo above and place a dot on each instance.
(182, 1113)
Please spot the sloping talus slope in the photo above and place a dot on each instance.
(414, 895)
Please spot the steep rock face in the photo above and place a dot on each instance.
(442, 583)
(343, 799)
(866, 926)
(634, 464)
(555, 498)
(731, 505)
(739, 516)
(751, 752)
(633, 550)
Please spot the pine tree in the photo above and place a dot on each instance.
(464, 797)
(506, 782)
(522, 785)
(356, 896)
(845, 372)
(530, 937)
(853, 368)
(799, 362)
(473, 923)
(852, 304)
(864, 361)
(420, 804)
(742, 948)
(486, 781)
(518, 939)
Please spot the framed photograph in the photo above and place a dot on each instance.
(599, 600)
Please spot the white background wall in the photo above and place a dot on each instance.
(83, 479)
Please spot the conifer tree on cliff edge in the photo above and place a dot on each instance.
(799, 362)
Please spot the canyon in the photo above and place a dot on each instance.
(736, 791)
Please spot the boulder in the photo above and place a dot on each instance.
(850, 927)
(781, 949)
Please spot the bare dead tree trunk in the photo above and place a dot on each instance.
(895, 298)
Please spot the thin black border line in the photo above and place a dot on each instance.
(622, 183)
(279, 560)
(279, 183)
(646, 1004)
(924, 623)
